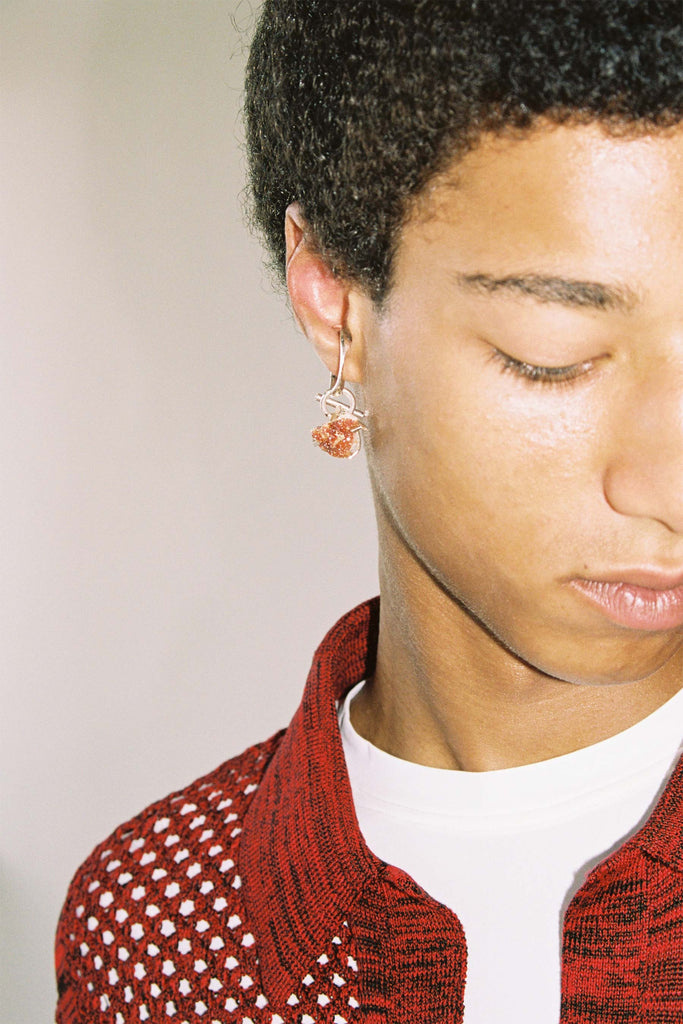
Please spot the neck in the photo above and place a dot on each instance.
(447, 694)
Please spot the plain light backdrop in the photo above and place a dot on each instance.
(172, 546)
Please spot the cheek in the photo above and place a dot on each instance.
(475, 467)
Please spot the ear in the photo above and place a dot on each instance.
(322, 301)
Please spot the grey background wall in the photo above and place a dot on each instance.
(172, 547)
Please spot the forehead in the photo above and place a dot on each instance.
(555, 195)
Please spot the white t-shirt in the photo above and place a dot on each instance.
(506, 850)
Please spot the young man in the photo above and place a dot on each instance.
(477, 812)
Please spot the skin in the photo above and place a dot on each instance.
(494, 491)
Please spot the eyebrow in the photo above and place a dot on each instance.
(582, 294)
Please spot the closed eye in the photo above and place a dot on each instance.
(552, 375)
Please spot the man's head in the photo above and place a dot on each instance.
(352, 106)
(496, 219)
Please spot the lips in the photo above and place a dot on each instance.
(641, 600)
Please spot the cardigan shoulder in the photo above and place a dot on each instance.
(153, 925)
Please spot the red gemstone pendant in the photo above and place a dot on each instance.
(338, 437)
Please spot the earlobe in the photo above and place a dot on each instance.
(319, 296)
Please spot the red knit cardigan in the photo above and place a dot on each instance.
(251, 897)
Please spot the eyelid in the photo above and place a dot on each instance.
(540, 374)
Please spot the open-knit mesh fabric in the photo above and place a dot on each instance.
(155, 928)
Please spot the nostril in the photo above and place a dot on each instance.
(647, 486)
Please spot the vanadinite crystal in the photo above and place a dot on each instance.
(338, 437)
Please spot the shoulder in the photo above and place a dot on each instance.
(156, 908)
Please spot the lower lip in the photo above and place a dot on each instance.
(635, 607)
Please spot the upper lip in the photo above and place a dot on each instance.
(650, 579)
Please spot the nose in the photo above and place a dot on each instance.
(644, 475)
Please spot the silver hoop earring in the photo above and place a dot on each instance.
(340, 436)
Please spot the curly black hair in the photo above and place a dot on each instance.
(352, 106)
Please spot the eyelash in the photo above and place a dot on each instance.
(547, 375)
